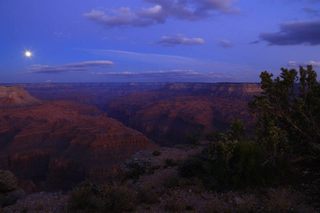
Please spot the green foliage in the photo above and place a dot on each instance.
(288, 112)
(232, 162)
(288, 115)
(88, 197)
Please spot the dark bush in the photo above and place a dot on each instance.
(156, 153)
(8, 182)
(135, 169)
(147, 195)
(118, 198)
(170, 163)
(234, 162)
(192, 167)
(88, 197)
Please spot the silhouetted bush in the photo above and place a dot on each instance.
(234, 162)
(288, 113)
(8, 182)
(192, 167)
(147, 195)
(9, 190)
(170, 163)
(156, 153)
(118, 198)
(135, 169)
(88, 197)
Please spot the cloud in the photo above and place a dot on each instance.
(295, 64)
(225, 43)
(180, 40)
(294, 33)
(144, 57)
(168, 75)
(74, 67)
(137, 62)
(160, 11)
(126, 17)
(312, 11)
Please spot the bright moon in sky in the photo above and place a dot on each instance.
(28, 54)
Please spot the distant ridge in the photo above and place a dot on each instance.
(15, 96)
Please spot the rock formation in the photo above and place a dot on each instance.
(15, 96)
(58, 144)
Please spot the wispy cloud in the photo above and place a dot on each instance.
(295, 64)
(146, 57)
(168, 75)
(225, 43)
(154, 61)
(312, 12)
(160, 11)
(295, 33)
(74, 67)
(180, 40)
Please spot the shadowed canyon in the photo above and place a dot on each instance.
(54, 136)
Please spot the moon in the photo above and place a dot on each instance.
(28, 54)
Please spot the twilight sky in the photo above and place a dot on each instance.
(155, 40)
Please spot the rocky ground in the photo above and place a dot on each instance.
(153, 177)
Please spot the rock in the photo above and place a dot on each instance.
(180, 113)
(15, 96)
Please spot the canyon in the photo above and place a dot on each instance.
(53, 136)
(57, 144)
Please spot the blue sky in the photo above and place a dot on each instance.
(155, 40)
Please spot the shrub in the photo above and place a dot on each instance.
(233, 164)
(135, 169)
(8, 182)
(156, 153)
(192, 167)
(88, 197)
(170, 163)
(285, 200)
(288, 111)
(288, 127)
(171, 182)
(118, 198)
(193, 138)
(147, 195)
(175, 205)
